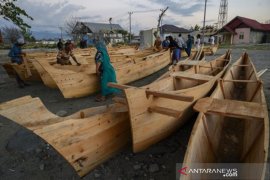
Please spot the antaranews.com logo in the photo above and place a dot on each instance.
(222, 171)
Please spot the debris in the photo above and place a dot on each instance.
(61, 113)
(41, 167)
(153, 168)
(97, 175)
(137, 167)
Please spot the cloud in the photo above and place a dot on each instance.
(49, 16)
(184, 8)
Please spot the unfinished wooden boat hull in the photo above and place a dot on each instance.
(25, 74)
(85, 139)
(233, 124)
(79, 82)
(161, 107)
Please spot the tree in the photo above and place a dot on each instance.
(197, 27)
(11, 34)
(69, 27)
(10, 12)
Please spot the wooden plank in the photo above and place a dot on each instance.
(119, 100)
(25, 62)
(211, 67)
(241, 65)
(169, 96)
(230, 108)
(258, 87)
(199, 77)
(119, 86)
(222, 88)
(240, 81)
(261, 72)
(165, 111)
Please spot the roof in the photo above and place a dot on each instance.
(244, 22)
(101, 27)
(167, 28)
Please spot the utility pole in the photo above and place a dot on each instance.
(61, 28)
(129, 13)
(159, 19)
(204, 21)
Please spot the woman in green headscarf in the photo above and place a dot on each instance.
(104, 70)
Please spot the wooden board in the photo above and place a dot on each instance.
(82, 81)
(232, 130)
(85, 139)
(154, 117)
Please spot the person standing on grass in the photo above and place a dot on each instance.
(16, 56)
(105, 71)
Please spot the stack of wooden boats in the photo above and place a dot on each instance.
(88, 137)
(78, 81)
(161, 107)
(233, 124)
(28, 72)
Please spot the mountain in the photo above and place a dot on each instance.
(46, 35)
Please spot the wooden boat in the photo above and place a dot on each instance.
(158, 109)
(85, 139)
(233, 124)
(28, 72)
(81, 81)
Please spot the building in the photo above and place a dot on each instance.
(148, 37)
(174, 31)
(241, 30)
(112, 33)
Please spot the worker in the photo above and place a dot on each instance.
(16, 54)
(174, 50)
(157, 44)
(189, 45)
(198, 42)
(60, 45)
(165, 43)
(64, 55)
(104, 70)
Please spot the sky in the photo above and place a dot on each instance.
(50, 15)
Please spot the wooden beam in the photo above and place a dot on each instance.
(118, 86)
(259, 85)
(211, 67)
(230, 108)
(120, 100)
(25, 62)
(198, 77)
(240, 81)
(249, 76)
(165, 111)
(242, 65)
(169, 96)
(222, 88)
(261, 72)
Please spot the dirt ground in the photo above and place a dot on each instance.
(23, 155)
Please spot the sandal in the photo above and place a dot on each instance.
(100, 99)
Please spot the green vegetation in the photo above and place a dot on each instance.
(10, 12)
(30, 45)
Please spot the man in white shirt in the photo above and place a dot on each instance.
(212, 40)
